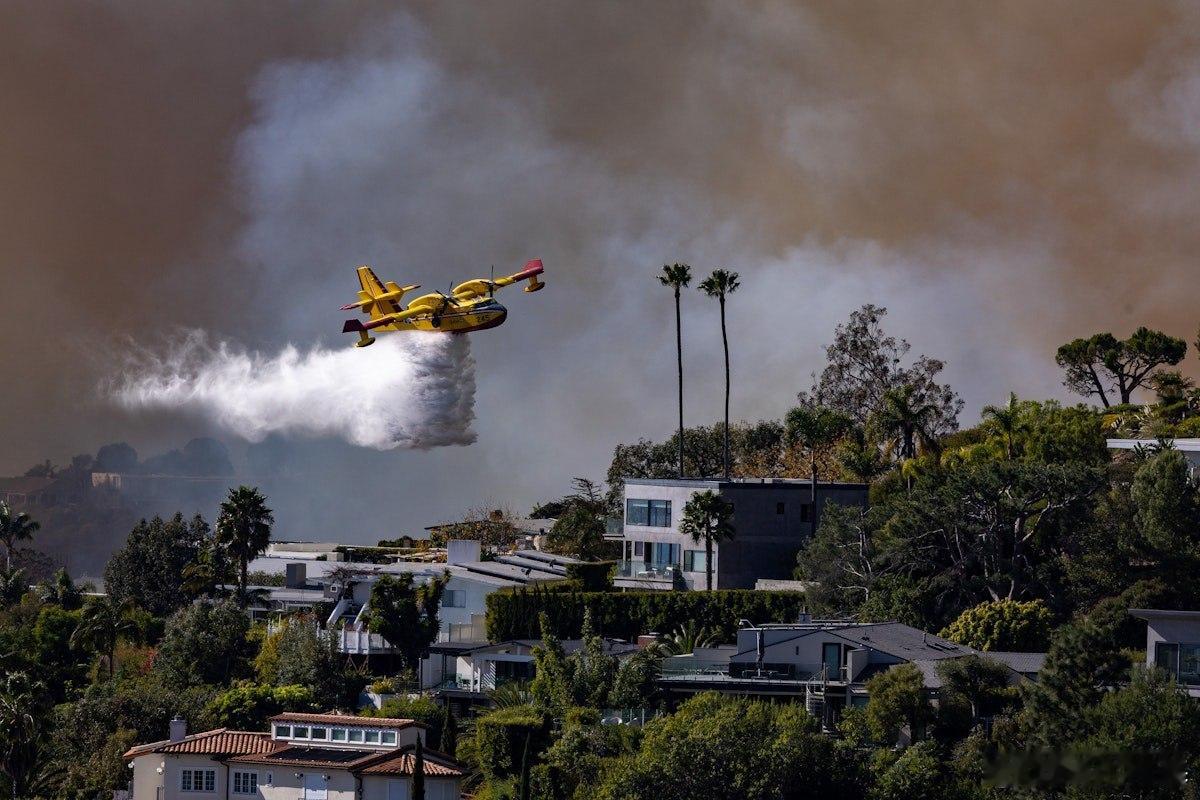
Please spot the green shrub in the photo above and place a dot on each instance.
(501, 737)
(1002, 625)
(423, 709)
(513, 613)
(1188, 428)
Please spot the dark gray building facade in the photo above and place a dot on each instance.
(772, 519)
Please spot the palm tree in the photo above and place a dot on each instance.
(816, 429)
(860, 457)
(678, 276)
(719, 284)
(907, 421)
(1007, 419)
(14, 528)
(101, 625)
(244, 529)
(707, 517)
(685, 640)
(13, 586)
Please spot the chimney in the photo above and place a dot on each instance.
(178, 730)
(462, 551)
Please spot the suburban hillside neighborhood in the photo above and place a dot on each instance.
(887, 599)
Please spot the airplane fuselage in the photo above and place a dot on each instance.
(461, 319)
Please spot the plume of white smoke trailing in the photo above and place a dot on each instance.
(413, 392)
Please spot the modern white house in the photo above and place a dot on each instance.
(824, 663)
(1173, 644)
(1189, 447)
(342, 589)
(772, 519)
(466, 672)
(302, 757)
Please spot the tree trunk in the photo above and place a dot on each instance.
(244, 580)
(725, 344)
(679, 367)
(708, 565)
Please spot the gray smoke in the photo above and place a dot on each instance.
(415, 391)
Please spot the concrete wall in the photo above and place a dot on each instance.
(342, 785)
(1175, 631)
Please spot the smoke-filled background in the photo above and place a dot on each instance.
(1002, 176)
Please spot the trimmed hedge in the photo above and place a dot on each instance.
(500, 738)
(513, 613)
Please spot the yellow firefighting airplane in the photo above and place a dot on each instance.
(470, 306)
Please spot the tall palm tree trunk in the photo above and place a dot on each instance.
(245, 578)
(725, 344)
(708, 565)
(679, 367)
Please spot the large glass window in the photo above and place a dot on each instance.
(355, 735)
(372, 737)
(387, 737)
(300, 733)
(454, 598)
(338, 734)
(653, 513)
(1189, 664)
(318, 733)
(665, 553)
(283, 731)
(694, 561)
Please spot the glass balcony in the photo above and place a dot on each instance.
(643, 570)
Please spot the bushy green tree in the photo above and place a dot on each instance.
(1003, 625)
(307, 656)
(593, 669)
(897, 700)
(922, 772)
(147, 569)
(551, 685)
(405, 614)
(1107, 367)
(24, 708)
(636, 682)
(725, 747)
(247, 706)
(15, 526)
(205, 643)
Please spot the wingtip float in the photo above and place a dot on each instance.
(470, 306)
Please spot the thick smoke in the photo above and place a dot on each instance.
(413, 392)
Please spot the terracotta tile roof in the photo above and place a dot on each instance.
(304, 756)
(344, 719)
(436, 764)
(219, 742)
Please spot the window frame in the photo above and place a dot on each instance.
(354, 735)
(384, 736)
(296, 734)
(248, 782)
(367, 737)
(312, 734)
(337, 735)
(203, 780)
(450, 595)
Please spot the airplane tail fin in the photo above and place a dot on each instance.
(532, 270)
(376, 297)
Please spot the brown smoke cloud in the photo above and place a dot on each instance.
(1002, 176)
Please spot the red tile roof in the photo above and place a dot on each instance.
(219, 742)
(402, 764)
(347, 720)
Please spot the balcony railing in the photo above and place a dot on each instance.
(641, 570)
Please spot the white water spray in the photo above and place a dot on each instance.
(414, 391)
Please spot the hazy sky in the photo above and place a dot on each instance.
(1002, 176)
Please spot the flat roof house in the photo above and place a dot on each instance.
(1173, 644)
(302, 757)
(772, 517)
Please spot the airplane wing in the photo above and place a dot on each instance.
(532, 270)
(377, 298)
